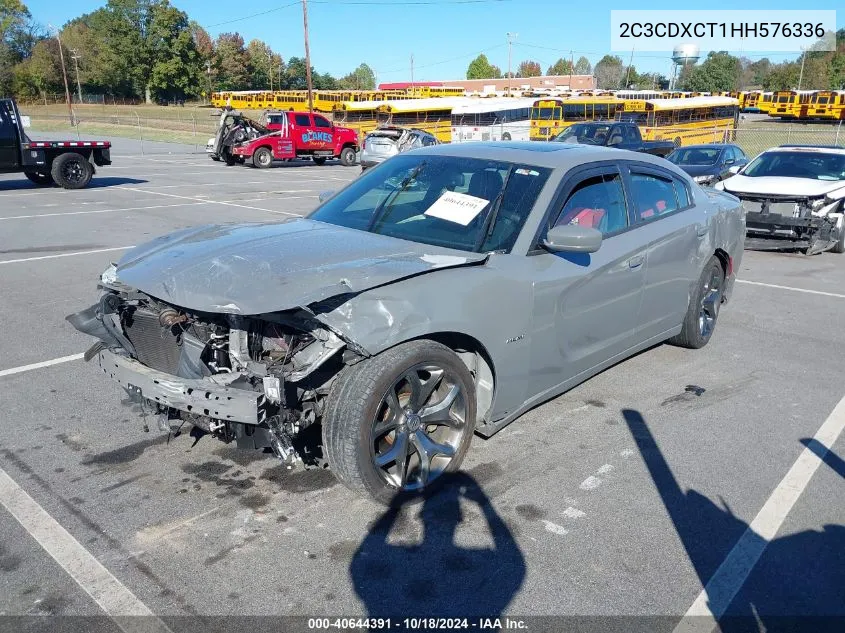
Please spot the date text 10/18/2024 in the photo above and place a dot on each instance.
(416, 624)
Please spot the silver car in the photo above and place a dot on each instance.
(384, 142)
(441, 295)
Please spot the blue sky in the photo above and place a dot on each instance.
(442, 37)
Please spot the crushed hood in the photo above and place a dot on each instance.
(269, 267)
(781, 186)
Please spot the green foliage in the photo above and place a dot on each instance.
(582, 66)
(362, 78)
(719, 72)
(481, 68)
(609, 72)
(529, 69)
(561, 67)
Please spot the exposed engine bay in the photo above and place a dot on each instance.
(813, 224)
(259, 382)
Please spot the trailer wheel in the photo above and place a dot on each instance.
(347, 156)
(262, 158)
(39, 178)
(72, 171)
(320, 160)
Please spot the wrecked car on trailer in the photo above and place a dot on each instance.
(794, 198)
(442, 293)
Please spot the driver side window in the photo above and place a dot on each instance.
(597, 202)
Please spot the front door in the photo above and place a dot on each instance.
(586, 305)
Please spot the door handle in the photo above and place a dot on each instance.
(636, 261)
(701, 230)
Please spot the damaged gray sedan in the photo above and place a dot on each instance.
(441, 294)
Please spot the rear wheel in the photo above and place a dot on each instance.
(399, 420)
(72, 171)
(506, 136)
(703, 311)
(319, 160)
(262, 157)
(347, 156)
(39, 178)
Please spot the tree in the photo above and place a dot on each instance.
(582, 66)
(362, 78)
(481, 68)
(609, 72)
(176, 65)
(719, 72)
(783, 76)
(40, 73)
(202, 41)
(561, 67)
(231, 62)
(14, 20)
(263, 64)
(529, 68)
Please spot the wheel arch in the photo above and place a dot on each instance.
(475, 356)
(724, 260)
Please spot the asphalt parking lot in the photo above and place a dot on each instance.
(622, 498)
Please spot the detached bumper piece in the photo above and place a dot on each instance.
(772, 231)
(199, 397)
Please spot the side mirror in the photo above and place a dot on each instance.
(735, 169)
(325, 195)
(729, 161)
(571, 238)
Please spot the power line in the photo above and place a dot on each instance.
(445, 61)
(391, 3)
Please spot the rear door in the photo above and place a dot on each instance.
(586, 305)
(673, 230)
(9, 142)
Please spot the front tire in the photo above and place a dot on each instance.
(39, 178)
(703, 311)
(262, 158)
(72, 171)
(347, 157)
(399, 420)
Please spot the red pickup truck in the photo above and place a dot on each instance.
(299, 135)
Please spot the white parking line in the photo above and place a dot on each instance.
(98, 250)
(792, 288)
(52, 215)
(46, 363)
(209, 200)
(112, 596)
(720, 590)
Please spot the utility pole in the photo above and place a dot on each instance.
(208, 73)
(75, 58)
(801, 74)
(511, 37)
(64, 75)
(571, 68)
(412, 72)
(307, 57)
(270, 68)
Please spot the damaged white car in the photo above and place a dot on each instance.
(794, 198)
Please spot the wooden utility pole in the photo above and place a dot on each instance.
(64, 76)
(412, 72)
(307, 57)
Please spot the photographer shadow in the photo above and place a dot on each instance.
(434, 576)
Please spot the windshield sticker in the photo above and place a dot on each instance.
(527, 172)
(459, 208)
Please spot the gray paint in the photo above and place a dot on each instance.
(546, 321)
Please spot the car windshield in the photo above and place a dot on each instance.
(583, 133)
(695, 156)
(812, 165)
(469, 204)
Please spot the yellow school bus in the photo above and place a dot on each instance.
(790, 104)
(550, 116)
(685, 121)
(827, 105)
(434, 114)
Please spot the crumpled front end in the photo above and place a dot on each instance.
(259, 381)
(812, 224)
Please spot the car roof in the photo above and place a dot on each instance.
(707, 146)
(539, 153)
(813, 149)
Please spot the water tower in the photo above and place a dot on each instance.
(683, 55)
